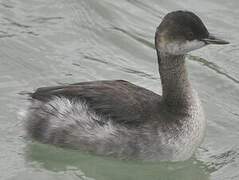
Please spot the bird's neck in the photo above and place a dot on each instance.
(177, 91)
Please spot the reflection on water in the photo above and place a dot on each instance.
(49, 42)
(101, 168)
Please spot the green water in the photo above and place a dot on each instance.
(50, 42)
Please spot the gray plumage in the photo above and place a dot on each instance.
(121, 119)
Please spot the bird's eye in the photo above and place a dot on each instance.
(190, 35)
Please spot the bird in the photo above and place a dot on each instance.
(120, 119)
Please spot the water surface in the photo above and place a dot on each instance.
(50, 42)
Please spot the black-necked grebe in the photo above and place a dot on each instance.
(121, 119)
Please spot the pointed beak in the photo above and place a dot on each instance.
(214, 40)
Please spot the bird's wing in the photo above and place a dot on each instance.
(118, 100)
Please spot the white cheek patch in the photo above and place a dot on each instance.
(178, 48)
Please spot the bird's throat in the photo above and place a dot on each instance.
(176, 88)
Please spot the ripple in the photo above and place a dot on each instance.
(137, 38)
(223, 159)
(147, 8)
(42, 20)
(213, 67)
(6, 5)
(14, 23)
(124, 69)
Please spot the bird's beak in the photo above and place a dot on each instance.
(214, 40)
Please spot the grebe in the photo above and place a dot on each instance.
(120, 119)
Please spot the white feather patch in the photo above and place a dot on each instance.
(78, 119)
(179, 48)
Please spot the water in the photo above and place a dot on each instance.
(50, 42)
